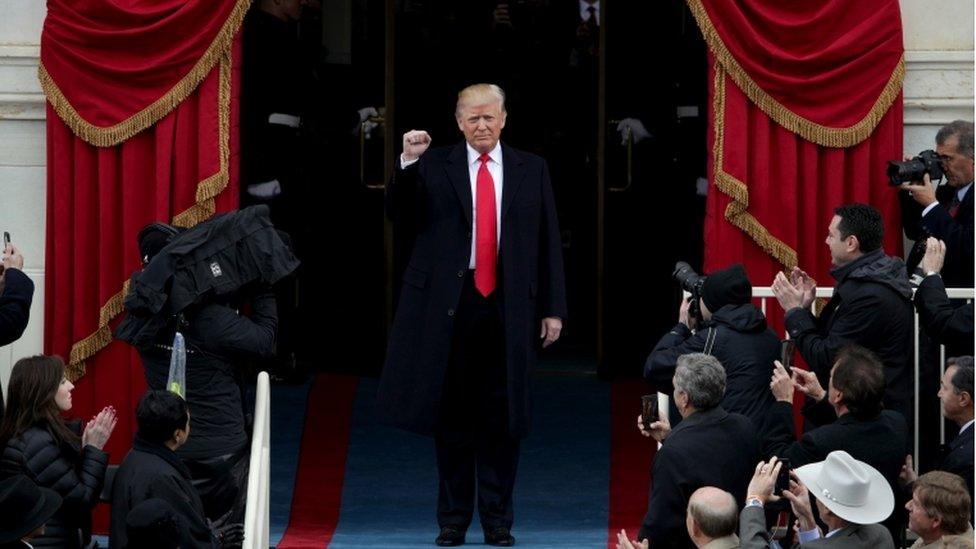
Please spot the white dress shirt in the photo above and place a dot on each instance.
(496, 171)
(585, 10)
(960, 194)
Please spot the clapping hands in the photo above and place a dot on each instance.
(99, 428)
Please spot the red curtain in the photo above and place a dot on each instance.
(805, 112)
(142, 125)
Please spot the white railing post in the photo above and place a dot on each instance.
(257, 513)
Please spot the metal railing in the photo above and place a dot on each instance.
(257, 513)
(765, 293)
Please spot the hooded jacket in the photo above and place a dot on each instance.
(738, 337)
(872, 307)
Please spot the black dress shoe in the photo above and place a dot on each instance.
(499, 537)
(450, 536)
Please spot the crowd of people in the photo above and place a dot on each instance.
(731, 460)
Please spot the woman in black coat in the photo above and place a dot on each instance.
(38, 443)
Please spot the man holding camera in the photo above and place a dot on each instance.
(732, 330)
(945, 212)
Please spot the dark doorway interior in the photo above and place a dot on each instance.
(569, 80)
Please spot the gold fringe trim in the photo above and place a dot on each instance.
(108, 136)
(737, 210)
(811, 131)
(205, 207)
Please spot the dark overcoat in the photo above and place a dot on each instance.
(434, 196)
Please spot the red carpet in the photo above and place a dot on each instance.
(322, 463)
(630, 460)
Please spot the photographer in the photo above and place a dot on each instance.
(945, 212)
(732, 330)
(16, 294)
(218, 340)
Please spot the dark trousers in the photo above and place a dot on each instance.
(221, 482)
(473, 442)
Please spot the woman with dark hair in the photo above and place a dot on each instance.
(37, 442)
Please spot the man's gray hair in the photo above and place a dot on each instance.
(476, 95)
(963, 130)
(702, 378)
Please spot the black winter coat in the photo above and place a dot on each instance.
(959, 459)
(76, 475)
(15, 302)
(154, 471)
(434, 196)
(217, 340)
(872, 307)
(709, 448)
(879, 441)
(942, 320)
(738, 337)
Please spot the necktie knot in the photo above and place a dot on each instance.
(484, 158)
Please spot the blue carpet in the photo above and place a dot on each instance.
(561, 499)
(287, 420)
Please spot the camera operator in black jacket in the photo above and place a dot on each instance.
(734, 331)
(218, 340)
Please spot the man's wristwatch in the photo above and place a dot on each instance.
(753, 501)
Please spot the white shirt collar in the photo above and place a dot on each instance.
(961, 193)
(966, 426)
(585, 10)
(475, 156)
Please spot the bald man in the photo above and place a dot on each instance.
(712, 520)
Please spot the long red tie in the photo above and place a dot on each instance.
(486, 248)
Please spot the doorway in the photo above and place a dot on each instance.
(628, 207)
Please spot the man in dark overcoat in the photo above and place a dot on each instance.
(484, 287)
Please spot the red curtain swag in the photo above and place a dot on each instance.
(805, 110)
(141, 126)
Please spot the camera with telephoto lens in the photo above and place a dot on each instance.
(691, 282)
(927, 162)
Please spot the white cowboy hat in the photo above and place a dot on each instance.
(851, 489)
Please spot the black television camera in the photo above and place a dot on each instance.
(927, 162)
(691, 282)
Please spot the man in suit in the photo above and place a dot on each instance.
(946, 324)
(871, 305)
(710, 447)
(852, 497)
(956, 394)
(862, 427)
(946, 212)
(483, 285)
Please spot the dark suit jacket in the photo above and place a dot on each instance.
(947, 324)
(436, 194)
(710, 448)
(959, 460)
(957, 232)
(880, 442)
(753, 534)
(15, 302)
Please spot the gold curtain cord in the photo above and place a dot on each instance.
(811, 131)
(737, 211)
(204, 208)
(108, 136)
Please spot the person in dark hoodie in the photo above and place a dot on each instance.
(219, 339)
(871, 305)
(734, 331)
(153, 471)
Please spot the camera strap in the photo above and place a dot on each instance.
(709, 340)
